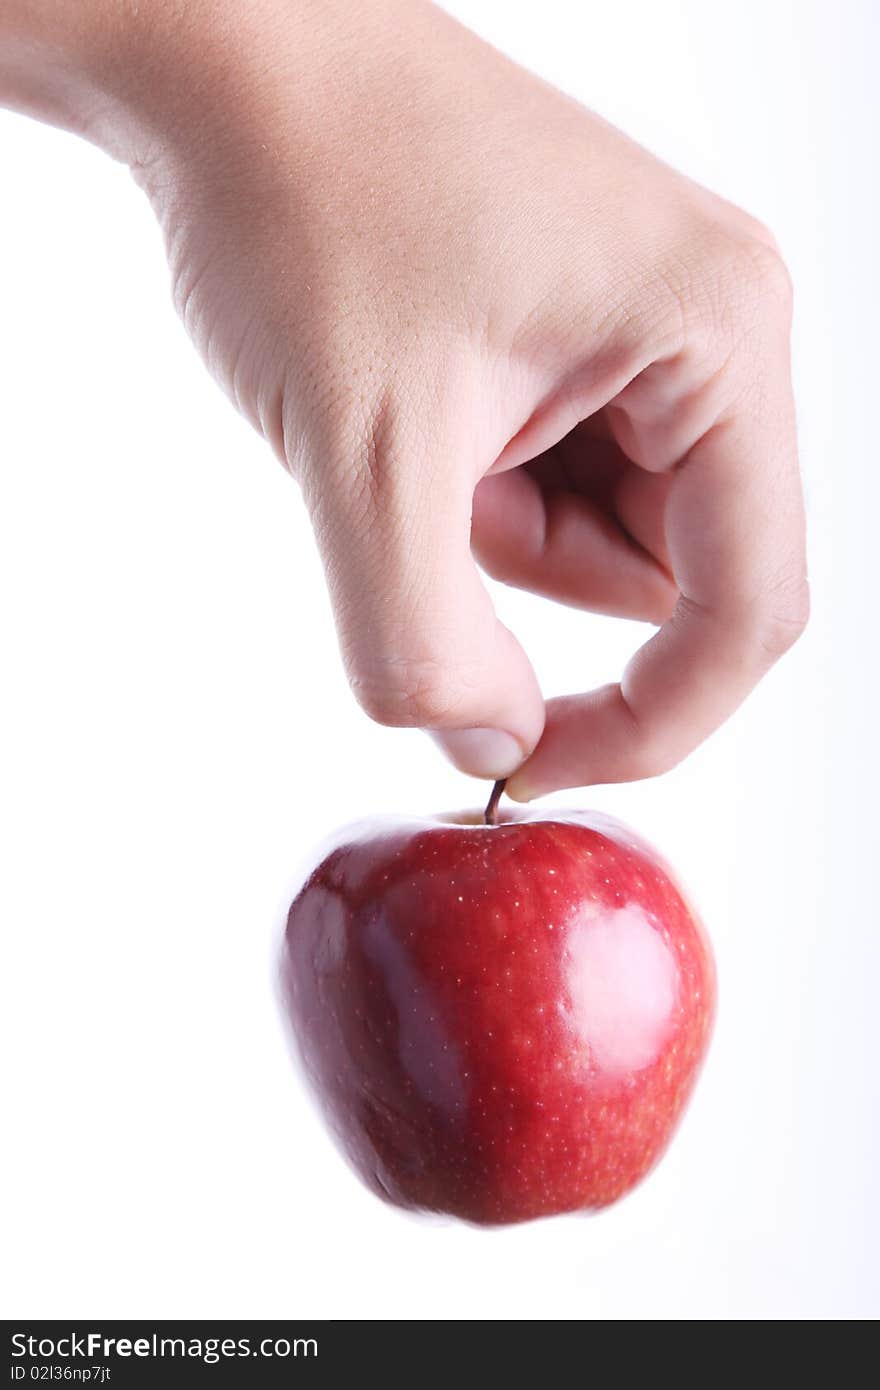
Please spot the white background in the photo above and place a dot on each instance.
(176, 731)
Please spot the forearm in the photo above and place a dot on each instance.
(126, 75)
(75, 65)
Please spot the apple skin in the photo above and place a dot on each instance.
(500, 1022)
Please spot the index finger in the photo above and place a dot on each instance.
(735, 531)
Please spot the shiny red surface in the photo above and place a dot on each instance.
(500, 1022)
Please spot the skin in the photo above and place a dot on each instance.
(479, 326)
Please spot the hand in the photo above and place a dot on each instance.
(475, 320)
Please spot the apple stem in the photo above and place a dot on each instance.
(489, 815)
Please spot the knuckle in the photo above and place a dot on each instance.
(759, 277)
(742, 284)
(358, 448)
(771, 274)
(785, 621)
(771, 624)
(748, 227)
(409, 694)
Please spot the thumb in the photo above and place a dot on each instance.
(419, 636)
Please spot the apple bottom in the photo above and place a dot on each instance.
(500, 1022)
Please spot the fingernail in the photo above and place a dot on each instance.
(480, 752)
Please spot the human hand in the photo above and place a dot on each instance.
(475, 320)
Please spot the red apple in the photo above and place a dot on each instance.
(501, 1021)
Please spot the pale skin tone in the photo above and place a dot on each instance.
(478, 325)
